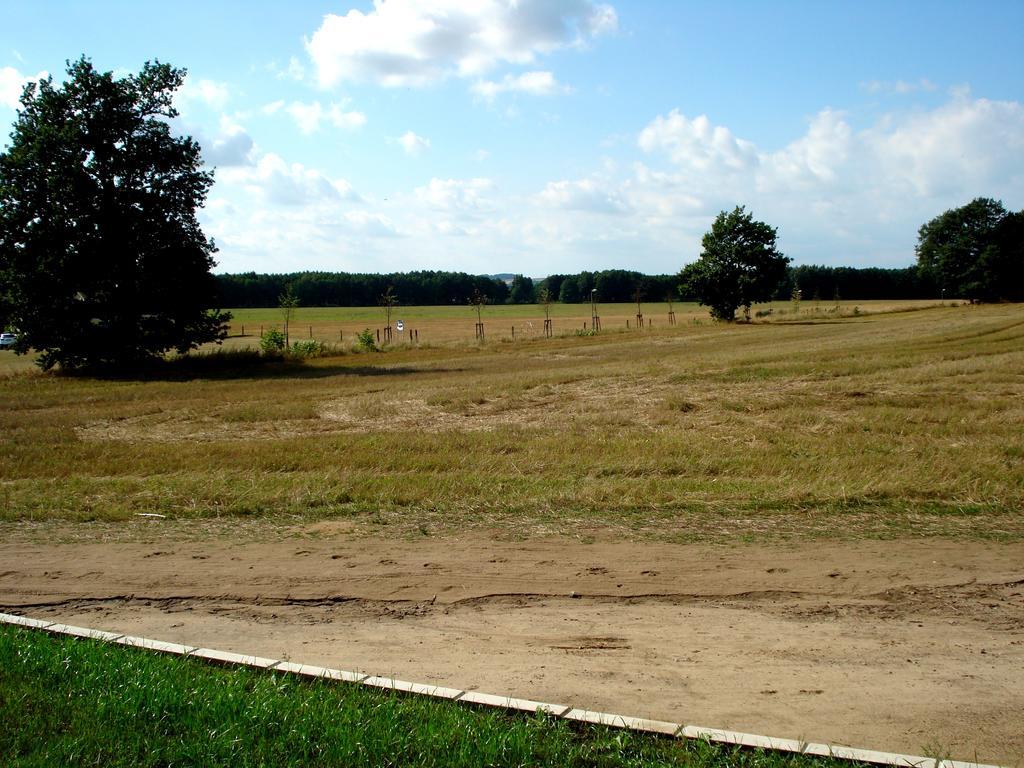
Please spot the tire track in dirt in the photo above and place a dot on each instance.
(890, 604)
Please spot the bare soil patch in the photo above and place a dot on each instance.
(897, 645)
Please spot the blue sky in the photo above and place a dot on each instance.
(545, 136)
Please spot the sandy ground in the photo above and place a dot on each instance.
(908, 646)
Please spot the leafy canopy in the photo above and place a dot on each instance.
(102, 260)
(975, 251)
(522, 290)
(739, 265)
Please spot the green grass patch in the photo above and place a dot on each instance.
(65, 701)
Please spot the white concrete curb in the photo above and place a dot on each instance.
(502, 702)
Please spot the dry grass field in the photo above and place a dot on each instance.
(878, 425)
(809, 525)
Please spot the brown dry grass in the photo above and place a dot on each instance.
(877, 425)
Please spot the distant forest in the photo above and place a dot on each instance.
(430, 288)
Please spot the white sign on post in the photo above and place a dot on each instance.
(400, 326)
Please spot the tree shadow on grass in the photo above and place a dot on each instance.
(242, 365)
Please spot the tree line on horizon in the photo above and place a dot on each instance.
(435, 288)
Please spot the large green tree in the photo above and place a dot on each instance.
(522, 290)
(975, 251)
(739, 265)
(102, 260)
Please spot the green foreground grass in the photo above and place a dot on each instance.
(76, 702)
(885, 425)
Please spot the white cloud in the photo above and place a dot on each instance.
(230, 147)
(448, 228)
(662, 196)
(457, 194)
(416, 42)
(12, 82)
(839, 194)
(342, 119)
(295, 70)
(584, 195)
(308, 117)
(290, 184)
(279, 216)
(209, 92)
(899, 87)
(533, 83)
(697, 144)
(962, 145)
(412, 144)
(371, 224)
(816, 157)
(960, 91)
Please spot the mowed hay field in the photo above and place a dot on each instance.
(877, 425)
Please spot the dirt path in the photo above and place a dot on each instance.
(904, 646)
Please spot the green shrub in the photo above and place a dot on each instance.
(272, 342)
(365, 341)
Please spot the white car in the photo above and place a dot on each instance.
(7, 340)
